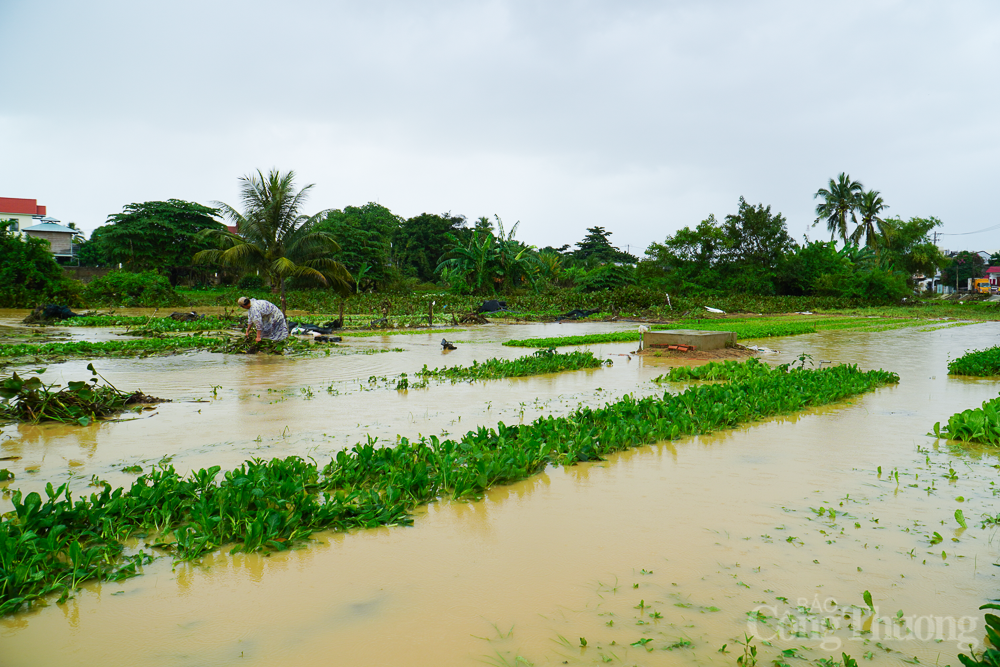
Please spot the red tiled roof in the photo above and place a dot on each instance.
(21, 206)
(993, 269)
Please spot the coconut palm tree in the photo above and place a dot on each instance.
(274, 237)
(839, 200)
(872, 228)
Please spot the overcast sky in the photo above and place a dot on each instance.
(641, 117)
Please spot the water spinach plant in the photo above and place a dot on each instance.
(542, 361)
(980, 425)
(50, 545)
(979, 363)
(151, 324)
(112, 348)
(144, 347)
(743, 329)
(729, 371)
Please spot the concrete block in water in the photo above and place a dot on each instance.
(702, 340)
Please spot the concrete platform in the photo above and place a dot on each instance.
(703, 340)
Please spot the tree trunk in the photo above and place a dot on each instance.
(284, 304)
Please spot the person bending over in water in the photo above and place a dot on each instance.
(265, 317)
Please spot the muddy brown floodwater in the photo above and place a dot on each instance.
(774, 530)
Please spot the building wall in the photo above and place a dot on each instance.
(22, 220)
(60, 243)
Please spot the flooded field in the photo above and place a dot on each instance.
(663, 555)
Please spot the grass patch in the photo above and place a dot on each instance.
(50, 545)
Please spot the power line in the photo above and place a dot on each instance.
(988, 229)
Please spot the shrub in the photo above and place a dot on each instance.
(122, 288)
(29, 276)
(877, 286)
(252, 281)
(607, 276)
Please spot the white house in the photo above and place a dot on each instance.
(21, 212)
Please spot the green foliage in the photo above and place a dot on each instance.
(113, 348)
(542, 361)
(805, 266)
(364, 234)
(419, 243)
(743, 254)
(150, 324)
(729, 371)
(80, 402)
(486, 263)
(840, 199)
(966, 265)
(251, 281)
(744, 330)
(155, 235)
(92, 252)
(275, 237)
(606, 277)
(756, 244)
(978, 363)
(977, 425)
(29, 276)
(689, 259)
(122, 288)
(874, 286)
(872, 229)
(595, 248)
(990, 657)
(52, 545)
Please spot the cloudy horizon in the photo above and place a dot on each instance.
(640, 117)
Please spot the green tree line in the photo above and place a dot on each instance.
(271, 240)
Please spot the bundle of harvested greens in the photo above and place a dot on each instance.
(80, 402)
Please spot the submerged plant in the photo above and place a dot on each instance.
(80, 402)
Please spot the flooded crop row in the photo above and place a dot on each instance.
(660, 555)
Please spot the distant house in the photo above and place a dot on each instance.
(993, 273)
(60, 238)
(20, 213)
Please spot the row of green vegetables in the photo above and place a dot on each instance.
(49, 545)
(982, 424)
(142, 347)
(162, 324)
(745, 329)
(542, 361)
(978, 425)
